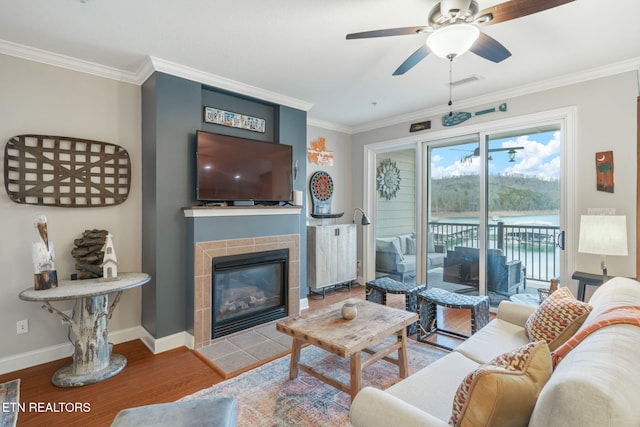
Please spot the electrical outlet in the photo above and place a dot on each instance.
(22, 326)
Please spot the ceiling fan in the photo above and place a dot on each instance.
(511, 151)
(453, 29)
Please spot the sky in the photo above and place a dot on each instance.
(540, 157)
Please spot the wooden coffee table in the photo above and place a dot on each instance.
(326, 329)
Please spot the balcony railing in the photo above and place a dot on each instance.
(534, 245)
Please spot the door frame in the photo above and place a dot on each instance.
(565, 117)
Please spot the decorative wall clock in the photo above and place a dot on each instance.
(388, 179)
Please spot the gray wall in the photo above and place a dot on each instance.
(43, 99)
(398, 215)
(172, 113)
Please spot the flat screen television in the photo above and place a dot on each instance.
(240, 169)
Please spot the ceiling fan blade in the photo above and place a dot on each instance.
(405, 31)
(412, 60)
(489, 48)
(518, 8)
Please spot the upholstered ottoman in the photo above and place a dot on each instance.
(377, 290)
(218, 412)
(429, 299)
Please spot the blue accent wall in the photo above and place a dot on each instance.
(292, 130)
(206, 229)
(173, 110)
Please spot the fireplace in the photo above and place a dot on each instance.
(206, 251)
(248, 290)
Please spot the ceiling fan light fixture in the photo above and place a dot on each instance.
(452, 40)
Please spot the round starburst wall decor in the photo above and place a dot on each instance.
(388, 179)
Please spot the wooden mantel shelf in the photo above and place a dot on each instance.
(206, 211)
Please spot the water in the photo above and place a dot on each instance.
(541, 257)
(551, 220)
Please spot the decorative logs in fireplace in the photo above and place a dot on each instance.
(241, 299)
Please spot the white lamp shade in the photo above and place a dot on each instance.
(453, 39)
(603, 235)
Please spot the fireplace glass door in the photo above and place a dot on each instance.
(248, 290)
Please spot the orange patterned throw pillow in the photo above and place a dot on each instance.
(504, 391)
(558, 317)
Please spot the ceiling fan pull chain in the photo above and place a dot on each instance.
(450, 86)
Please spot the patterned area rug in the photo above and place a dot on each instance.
(267, 397)
(9, 399)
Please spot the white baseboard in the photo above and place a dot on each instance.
(125, 335)
(35, 357)
(61, 351)
(304, 303)
(159, 345)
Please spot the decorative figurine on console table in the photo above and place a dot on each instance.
(89, 254)
(109, 262)
(42, 255)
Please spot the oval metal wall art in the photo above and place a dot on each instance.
(67, 172)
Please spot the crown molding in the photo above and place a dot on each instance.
(329, 125)
(63, 61)
(199, 76)
(152, 64)
(148, 66)
(552, 83)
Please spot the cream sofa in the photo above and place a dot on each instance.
(596, 384)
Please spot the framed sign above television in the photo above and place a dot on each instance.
(228, 118)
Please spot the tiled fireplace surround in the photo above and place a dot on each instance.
(205, 251)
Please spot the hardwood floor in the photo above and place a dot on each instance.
(146, 379)
(149, 378)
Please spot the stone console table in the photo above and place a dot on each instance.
(92, 357)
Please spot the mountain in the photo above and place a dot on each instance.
(511, 193)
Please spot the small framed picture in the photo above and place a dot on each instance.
(415, 127)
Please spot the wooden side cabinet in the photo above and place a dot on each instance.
(331, 255)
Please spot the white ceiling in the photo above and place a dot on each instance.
(297, 48)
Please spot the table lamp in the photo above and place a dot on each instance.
(603, 235)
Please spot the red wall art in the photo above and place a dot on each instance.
(604, 171)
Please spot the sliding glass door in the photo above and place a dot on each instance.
(493, 213)
(453, 215)
(523, 212)
(484, 207)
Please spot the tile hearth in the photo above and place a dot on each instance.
(239, 352)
